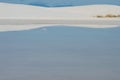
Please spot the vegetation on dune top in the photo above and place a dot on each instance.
(108, 16)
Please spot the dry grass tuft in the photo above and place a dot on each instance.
(108, 16)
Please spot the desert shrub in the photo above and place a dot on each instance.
(118, 15)
(99, 16)
(108, 16)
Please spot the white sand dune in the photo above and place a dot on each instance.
(4, 28)
(23, 17)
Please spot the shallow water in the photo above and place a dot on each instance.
(60, 53)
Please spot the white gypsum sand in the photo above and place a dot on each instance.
(23, 17)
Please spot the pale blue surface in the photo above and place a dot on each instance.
(61, 3)
(60, 53)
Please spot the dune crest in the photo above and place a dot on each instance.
(35, 12)
(19, 15)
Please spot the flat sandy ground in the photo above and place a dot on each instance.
(94, 21)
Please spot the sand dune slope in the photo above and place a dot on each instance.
(13, 15)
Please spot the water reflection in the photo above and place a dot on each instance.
(60, 53)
